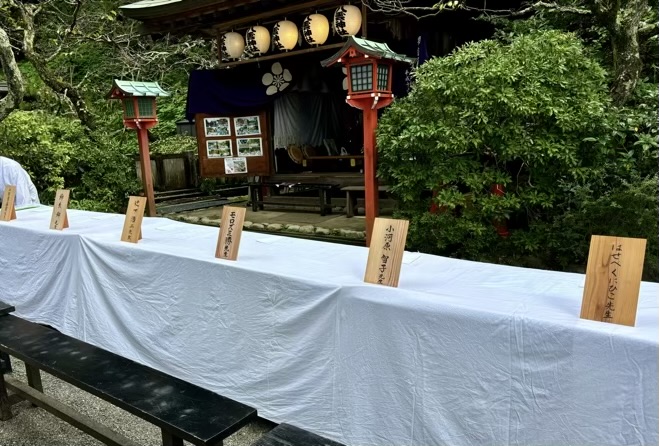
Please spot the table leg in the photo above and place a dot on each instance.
(321, 197)
(253, 196)
(328, 199)
(350, 204)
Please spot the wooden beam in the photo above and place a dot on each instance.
(82, 422)
(364, 32)
(281, 55)
(252, 19)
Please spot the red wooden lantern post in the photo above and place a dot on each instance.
(139, 106)
(369, 66)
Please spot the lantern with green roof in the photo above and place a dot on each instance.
(139, 102)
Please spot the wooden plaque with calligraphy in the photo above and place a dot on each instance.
(60, 219)
(613, 279)
(386, 252)
(231, 230)
(133, 224)
(8, 211)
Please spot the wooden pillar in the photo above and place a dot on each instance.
(370, 169)
(145, 165)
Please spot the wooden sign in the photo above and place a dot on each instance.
(231, 230)
(613, 279)
(60, 219)
(386, 252)
(8, 211)
(133, 224)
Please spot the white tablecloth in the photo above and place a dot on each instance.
(462, 353)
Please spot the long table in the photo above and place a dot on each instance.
(462, 353)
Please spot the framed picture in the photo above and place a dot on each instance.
(247, 125)
(249, 146)
(235, 165)
(217, 127)
(218, 148)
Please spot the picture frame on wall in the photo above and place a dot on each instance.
(219, 148)
(249, 146)
(247, 125)
(214, 127)
(235, 165)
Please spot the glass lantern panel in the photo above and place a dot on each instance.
(145, 106)
(129, 108)
(361, 77)
(383, 77)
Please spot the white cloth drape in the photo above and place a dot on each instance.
(461, 353)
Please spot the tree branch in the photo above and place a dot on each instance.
(14, 79)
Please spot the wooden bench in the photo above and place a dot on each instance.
(351, 197)
(287, 435)
(183, 411)
(323, 189)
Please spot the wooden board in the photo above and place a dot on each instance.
(60, 219)
(385, 254)
(215, 167)
(8, 211)
(231, 229)
(613, 279)
(133, 224)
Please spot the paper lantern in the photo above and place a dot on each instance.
(257, 40)
(315, 29)
(233, 45)
(347, 20)
(285, 35)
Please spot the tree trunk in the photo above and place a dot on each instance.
(14, 79)
(627, 62)
(28, 13)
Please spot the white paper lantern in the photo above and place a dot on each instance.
(285, 35)
(233, 45)
(257, 40)
(347, 20)
(315, 29)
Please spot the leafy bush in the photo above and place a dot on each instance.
(532, 115)
(45, 145)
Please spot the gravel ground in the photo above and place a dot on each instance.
(32, 426)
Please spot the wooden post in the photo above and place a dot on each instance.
(370, 164)
(145, 166)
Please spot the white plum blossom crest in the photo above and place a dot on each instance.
(278, 80)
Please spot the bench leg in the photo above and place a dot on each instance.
(350, 205)
(253, 195)
(33, 377)
(5, 363)
(170, 439)
(325, 202)
(5, 405)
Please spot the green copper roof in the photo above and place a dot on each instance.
(130, 88)
(373, 49)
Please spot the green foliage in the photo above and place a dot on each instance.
(532, 114)
(107, 175)
(45, 145)
(627, 210)
(56, 153)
